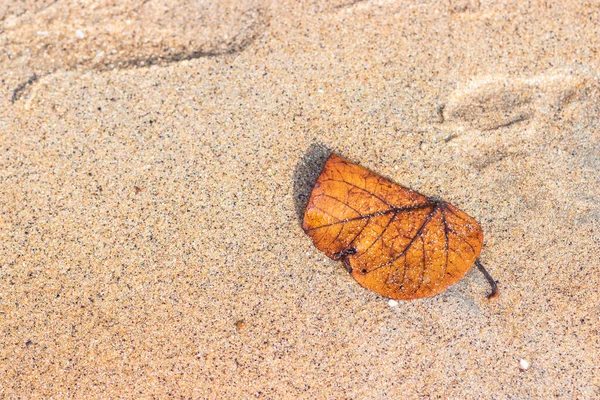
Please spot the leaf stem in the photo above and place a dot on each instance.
(489, 278)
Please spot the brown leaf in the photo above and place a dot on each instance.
(393, 240)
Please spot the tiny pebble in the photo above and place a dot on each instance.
(79, 34)
(393, 303)
(524, 364)
(241, 324)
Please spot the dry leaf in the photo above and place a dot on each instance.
(393, 240)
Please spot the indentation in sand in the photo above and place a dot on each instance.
(492, 103)
(67, 35)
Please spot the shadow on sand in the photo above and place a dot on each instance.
(306, 174)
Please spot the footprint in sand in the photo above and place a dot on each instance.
(65, 35)
(494, 116)
(493, 103)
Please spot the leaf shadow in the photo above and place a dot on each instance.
(306, 173)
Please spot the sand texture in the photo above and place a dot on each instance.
(156, 157)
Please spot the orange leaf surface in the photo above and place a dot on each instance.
(392, 240)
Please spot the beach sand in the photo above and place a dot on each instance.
(156, 158)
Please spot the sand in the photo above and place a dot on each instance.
(156, 157)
